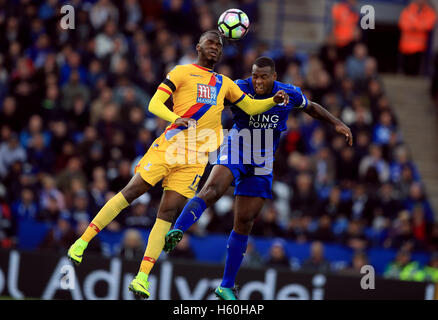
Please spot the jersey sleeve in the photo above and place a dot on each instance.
(173, 80)
(233, 94)
(297, 99)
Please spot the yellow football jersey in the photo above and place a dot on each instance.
(198, 93)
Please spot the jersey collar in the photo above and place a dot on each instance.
(202, 68)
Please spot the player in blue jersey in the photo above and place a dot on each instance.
(247, 163)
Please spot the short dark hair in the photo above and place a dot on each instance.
(265, 62)
(216, 32)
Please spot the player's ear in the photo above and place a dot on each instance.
(274, 76)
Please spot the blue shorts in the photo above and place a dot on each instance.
(250, 179)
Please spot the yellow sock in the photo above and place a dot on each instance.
(155, 245)
(107, 214)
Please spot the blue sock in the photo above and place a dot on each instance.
(236, 247)
(190, 214)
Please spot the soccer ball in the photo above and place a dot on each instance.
(233, 24)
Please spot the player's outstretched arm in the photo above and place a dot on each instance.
(318, 112)
(255, 106)
(158, 108)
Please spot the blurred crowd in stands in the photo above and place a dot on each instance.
(74, 122)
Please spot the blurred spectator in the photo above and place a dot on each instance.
(401, 159)
(362, 205)
(138, 216)
(10, 151)
(334, 206)
(316, 262)
(60, 237)
(416, 198)
(9, 115)
(80, 208)
(416, 21)
(26, 207)
(78, 115)
(277, 255)
(72, 70)
(345, 25)
(304, 199)
(355, 64)
(420, 228)
(323, 231)
(72, 171)
(98, 105)
(222, 216)
(354, 237)
(267, 225)
(52, 212)
(40, 156)
(35, 126)
(297, 228)
(252, 258)
(324, 165)
(72, 90)
(388, 201)
(401, 234)
(7, 222)
(59, 138)
(407, 178)
(431, 269)
(347, 166)
(98, 189)
(328, 54)
(383, 130)
(50, 191)
(183, 250)
(373, 168)
(359, 259)
(403, 268)
(132, 245)
(289, 56)
(101, 12)
(433, 238)
(123, 176)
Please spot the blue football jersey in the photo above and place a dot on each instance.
(271, 123)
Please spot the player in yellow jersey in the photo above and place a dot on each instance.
(179, 155)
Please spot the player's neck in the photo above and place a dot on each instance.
(205, 64)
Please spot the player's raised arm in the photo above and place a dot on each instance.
(157, 106)
(318, 112)
(256, 106)
(165, 89)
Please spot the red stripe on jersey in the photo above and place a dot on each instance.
(202, 68)
(165, 90)
(150, 259)
(94, 227)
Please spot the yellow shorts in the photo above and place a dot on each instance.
(180, 177)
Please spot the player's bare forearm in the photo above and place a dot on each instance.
(318, 112)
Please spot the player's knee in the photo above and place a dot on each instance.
(210, 194)
(167, 214)
(134, 190)
(243, 224)
(129, 194)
